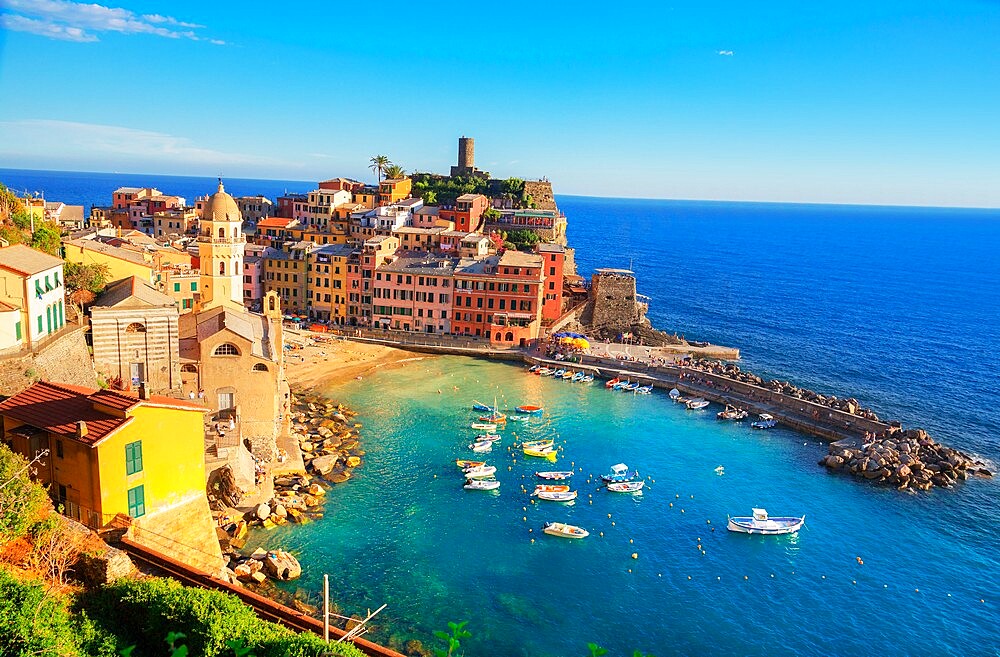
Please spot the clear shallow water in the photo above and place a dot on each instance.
(896, 306)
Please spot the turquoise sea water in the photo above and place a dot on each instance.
(897, 306)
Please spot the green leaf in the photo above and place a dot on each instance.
(441, 635)
(596, 650)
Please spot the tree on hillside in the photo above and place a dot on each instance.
(10, 204)
(379, 164)
(393, 171)
(47, 238)
(430, 197)
(84, 283)
(22, 501)
(512, 188)
(491, 214)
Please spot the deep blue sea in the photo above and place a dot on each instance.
(898, 307)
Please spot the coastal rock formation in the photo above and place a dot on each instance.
(282, 565)
(906, 459)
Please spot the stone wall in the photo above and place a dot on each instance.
(540, 192)
(63, 359)
(614, 304)
(185, 532)
(154, 346)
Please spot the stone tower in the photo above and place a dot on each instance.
(613, 300)
(220, 248)
(466, 153)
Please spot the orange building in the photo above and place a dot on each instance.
(499, 298)
(467, 213)
(392, 190)
(554, 257)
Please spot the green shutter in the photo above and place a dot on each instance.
(136, 502)
(177, 287)
(17, 330)
(194, 286)
(39, 323)
(48, 319)
(62, 318)
(133, 457)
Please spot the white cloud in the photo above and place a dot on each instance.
(110, 143)
(726, 53)
(77, 21)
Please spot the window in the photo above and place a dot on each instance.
(48, 319)
(59, 448)
(260, 367)
(56, 276)
(136, 502)
(135, 327)
(177, 287)
(133, 457)
(552, 271)
(39, 323)
(194, 286)
(17, 330)
(226, 349)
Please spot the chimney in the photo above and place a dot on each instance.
(81, 429)
(143, 390)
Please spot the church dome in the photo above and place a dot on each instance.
(220, 206)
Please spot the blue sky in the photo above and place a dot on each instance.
(850, 102)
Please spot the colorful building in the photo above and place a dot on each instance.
(391, 190)
(413, 293)
(499, 298)
(220, 251)
(327, 282)
(31, 296)
(554, 256)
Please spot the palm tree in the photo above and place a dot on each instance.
(393, 171)
(379, 163)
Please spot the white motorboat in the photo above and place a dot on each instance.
(565, 531)
(555, 475)
(556, 496)
(482, 446)
(697, 404)
(760, 523)
(480, 471)
(484, 426)
(764, 421)
(626, 486)
(481, 484)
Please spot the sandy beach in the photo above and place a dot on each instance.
(317, 360)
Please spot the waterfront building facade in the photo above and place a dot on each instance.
(554, 258)
(327, 282)
(499, 298)
(412, 292)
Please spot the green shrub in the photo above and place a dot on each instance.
(22, 501)
(35, 623)
(142, 613)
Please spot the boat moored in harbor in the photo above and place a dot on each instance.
(697, 404)
(764, 421)
(760, 523)
(554, 475)
(626, 486)
(528, 409)
(481, 484)
(619, 473)
(557, 496)
(564, 530)
(732, 413)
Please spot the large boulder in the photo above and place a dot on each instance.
(325, 464)
(282, 565)
(263, 511)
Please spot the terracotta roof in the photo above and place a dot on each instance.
(6, 307)
(26, 260)
(132, 292)
(57, 407)
(275, 222)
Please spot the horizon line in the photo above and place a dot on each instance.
(624, 198)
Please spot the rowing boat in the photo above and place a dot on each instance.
(557, 496)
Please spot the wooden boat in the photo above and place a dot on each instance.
(558, 373)
(612, 383)
(481, 484)
(644, 390)
(732, 413)
(626, 486)
(546, 371)
(480, 472)
(530, 410)
(554, 475)
(544, 453)
(482, 447)
(674, 393)
(563, 530)
(587, 378)
(538, 444)
(481, 407)
(760, 523)
(491, 437)
(631, 386)
(764, 421)
(533, 369)
(494, 418)
(697, 404)
(518, 418)
(466, 463)
(550, 488)
(621, 384)
(564, 496)
(619, 473)
(484, 426)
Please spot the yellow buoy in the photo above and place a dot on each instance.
(530, 530)
(635, 555)
(630, 540)
(745, 577)
(671, 504)
(532, 540)
(682, 510)
(916, 590)
(591, 501)
(525, 519)
(689, 577)
(630, 570)
(612, 523)
(602, 533)
(854, 581)
(609, 515)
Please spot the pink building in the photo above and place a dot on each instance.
(413, 293)
(253, 275)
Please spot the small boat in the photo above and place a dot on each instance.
(558, 373)
(494, 418)
(518, 418)
(557, 496)
(697, 404)
(533, 369)
(568, 375)
(481, 407)
(578, 377)
(554, 475)
(465, 463)
(764, 421)
(681, 400)
(550, 488)
(721, 470)
(564, 530)
(487, 437)
(530, 410)
(620, 385)
(612, 383)
(484, 426)
(538, 444)
(626, 486)
(482, 447)
(546, 371)
(587, 378)
(674, 393)
(619, 473)
(631, 386)
(759, 523)
(481, 484)
(732, 413)
(480, 472)
(544, 453)
(644, 390)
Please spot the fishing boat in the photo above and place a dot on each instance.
(619, 473)
(484, 437)
(518, 418)
(482, 447)
(732, 413)
(764, 421)
(546, 371)
(565, 531)
(481, 484)
(626, 486)
(482, 408)
(554, 475)
(568, 375)
(480, 471)
(621, 384)
(530, 410)
(538, 444)
(759, 523)
(697, 404)
(533, 369)
(550, 488)
(494, 418)
(674, 393)
(484, 426)
(466, 463)
(644, 390)
(543, 453)
(612, 383)
(564, 496)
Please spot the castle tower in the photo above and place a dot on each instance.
(466, 153)
(220, 248)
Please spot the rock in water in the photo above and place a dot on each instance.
(282, 565)
(263, 511)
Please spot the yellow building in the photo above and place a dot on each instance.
(327, 281)
(121, 263)
(391, 190)
(112, 452)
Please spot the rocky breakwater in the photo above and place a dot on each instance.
(906, 459)
(328, 437)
